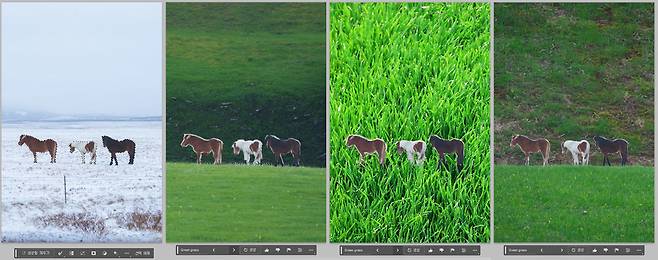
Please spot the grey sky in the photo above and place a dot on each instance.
(82, 58)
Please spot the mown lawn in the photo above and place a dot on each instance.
(407, 71)
(560, 204)
(239, 203)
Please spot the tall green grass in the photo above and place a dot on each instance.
(407, 71)
(566, 71)
(573, 204)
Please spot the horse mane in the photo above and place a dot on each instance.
(193, 135)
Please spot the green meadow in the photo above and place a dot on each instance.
(407, 71)
(239, 203)
(243, 71)
(579, 204)
(246, 70)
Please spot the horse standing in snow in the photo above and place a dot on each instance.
(84, 147)
(37, 146)
(366, 147)
(248, 148)
(115, 146)
(579, 151)
(415, 150)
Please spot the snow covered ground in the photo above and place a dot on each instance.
(104, 203)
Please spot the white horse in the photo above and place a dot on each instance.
(248, 148)
(579, 150)
(84, 147)
(415, 150)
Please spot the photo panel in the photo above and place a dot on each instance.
(574, 123)
(409, 126)
(82, 122)
(246, 142)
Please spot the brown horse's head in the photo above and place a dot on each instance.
(514, 140)
(71, 148)
(186, 140)
(236, 149)
(21, 140)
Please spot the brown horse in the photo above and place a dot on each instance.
(37, 146)
(115, 146)
(281, 147)
(443, 146)
(608, 146)
(366, 147)
(529, 146)
(202, 146)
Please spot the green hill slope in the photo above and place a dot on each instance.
(245, 71)
(568, 71)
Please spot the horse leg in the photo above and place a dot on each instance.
(93, 158)
(116, 162)
(527, 158)
(198, 157)
(441, 158)
(282, 162)
(247, 157)
(82, 155)
(35, 156)
(575, 158)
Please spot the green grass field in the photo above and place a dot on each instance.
(238, 203)
(407, 71)
(568, 71)
(563, 204)
(245, 70)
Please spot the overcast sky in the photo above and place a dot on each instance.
(82, 58)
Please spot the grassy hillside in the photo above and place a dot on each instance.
(567, 71)
(574, 204)
(407, 71)
(238, 203)
(245, 70)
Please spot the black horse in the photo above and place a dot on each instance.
(608, 146)
(280, 147)
(115, 146)
(444, 146)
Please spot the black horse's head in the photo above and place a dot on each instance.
(434, 140)
(599, 139)
(269, 139)
(105, 140)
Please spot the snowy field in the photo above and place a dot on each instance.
(104, 204)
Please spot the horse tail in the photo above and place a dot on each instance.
(382, 155)
(131, 152)
(299, 152)
(54, 151)
(548, 152)
(460, 157)
(259, 151)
